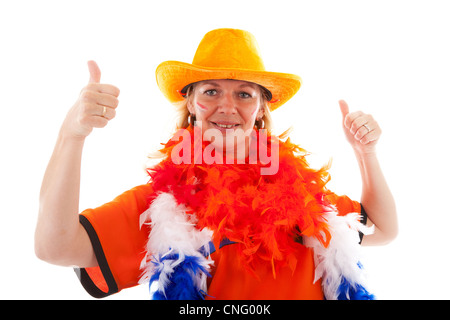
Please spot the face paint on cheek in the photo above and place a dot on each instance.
(202, 106)
(254, 111)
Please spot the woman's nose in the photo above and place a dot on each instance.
(227, 104)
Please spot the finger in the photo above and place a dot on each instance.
(107, 113)
(93, 111)
(107, 100)
(350, 119)
(100, 98)
(104, 88)
(359, 121)
(344, 108)
(90, 116)
(371, 137)
(362, 131)
(94, 72)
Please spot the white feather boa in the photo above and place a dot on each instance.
(341, 259)
(174, 231)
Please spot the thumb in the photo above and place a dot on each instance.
(94, 72)
(344, 108)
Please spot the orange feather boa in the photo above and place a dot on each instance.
(266, 215)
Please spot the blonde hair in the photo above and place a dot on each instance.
(182, 111)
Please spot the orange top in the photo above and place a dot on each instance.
(119, 245)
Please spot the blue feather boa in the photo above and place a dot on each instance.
(181, 284)
(347, 291)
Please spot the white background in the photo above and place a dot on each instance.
(387, 58)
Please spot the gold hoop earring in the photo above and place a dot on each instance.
(191, 119)
(259, 123)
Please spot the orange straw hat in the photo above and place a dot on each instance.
(226, 54)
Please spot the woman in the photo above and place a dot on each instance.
(231, 212)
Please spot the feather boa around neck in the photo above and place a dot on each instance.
(266, 216)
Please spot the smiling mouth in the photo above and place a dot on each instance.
(225, 126)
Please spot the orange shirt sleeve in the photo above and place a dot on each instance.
(346, 205)
(343, 204)
(118, 242)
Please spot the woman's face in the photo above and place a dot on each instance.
(226, 105)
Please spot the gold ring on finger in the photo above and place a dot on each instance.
(367, 127)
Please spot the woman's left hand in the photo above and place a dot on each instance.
(361, 130)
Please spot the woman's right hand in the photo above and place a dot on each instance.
(59, 236)
(95, 106)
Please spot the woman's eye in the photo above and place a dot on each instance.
(211, 92)
(244, 95)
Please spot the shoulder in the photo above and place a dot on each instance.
(139, 193)
(343, 203)
(129, 203)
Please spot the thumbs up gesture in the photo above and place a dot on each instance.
(361, 130)
(95, 106)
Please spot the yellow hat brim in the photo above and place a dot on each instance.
(173, 76)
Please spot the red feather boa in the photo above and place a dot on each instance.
(265, 214)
